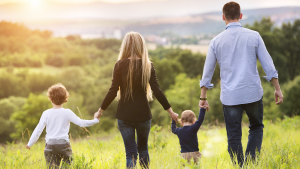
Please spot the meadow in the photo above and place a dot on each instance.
(280, 149)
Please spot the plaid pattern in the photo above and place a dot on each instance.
(191, 155)
(57, 151)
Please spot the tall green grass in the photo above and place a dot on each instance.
(280, 149)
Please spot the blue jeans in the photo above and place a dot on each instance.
(233, 119)
(128, 130)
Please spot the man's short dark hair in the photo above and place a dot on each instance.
(232, 10)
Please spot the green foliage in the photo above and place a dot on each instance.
(290, 43)
(291, 107)
(8, 107)
(184, 94)
(81, 163)
(157, 140)
(56, 60)
(166, 65)
(10, 85)
(29, 116)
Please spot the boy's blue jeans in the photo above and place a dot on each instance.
(128, 130)
(233, 120)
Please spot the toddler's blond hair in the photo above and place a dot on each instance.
(188, 116)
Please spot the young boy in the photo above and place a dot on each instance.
(57, 121)
(188, 134)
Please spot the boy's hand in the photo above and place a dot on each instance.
(27, 147)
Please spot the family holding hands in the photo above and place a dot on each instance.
(134, 81)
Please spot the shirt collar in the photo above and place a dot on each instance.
(233, 25)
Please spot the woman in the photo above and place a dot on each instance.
(133, 78)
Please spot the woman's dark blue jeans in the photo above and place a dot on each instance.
(233, 120)
(128, 130)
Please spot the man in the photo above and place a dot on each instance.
(236, 50)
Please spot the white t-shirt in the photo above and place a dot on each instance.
(57, 122)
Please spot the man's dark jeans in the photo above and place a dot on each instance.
(233, 120)
(128, 130)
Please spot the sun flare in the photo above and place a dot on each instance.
(35, 2)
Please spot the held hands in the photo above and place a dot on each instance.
(174, 116)
(278, 94)
(204, 104)
(27, 147)
(98, 114)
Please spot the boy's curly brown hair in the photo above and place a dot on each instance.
(58, 94)
(188, 116)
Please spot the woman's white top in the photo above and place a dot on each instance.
(57, 122)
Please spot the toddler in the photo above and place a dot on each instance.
(57, 121)
(188, 134)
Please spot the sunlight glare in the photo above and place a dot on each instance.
(35, 3)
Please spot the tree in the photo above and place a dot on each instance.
(166, 71)
(290, 42)
(29, 116)
(8, 107)
(291, 92)
(10, 85)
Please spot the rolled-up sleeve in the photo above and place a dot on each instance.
(266, 60)
(209, 68)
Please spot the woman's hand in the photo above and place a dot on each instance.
(27, 147)
(174, 116)
(98, 114)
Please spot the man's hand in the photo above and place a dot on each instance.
(27, 147)
(204, 104)
(278, 94)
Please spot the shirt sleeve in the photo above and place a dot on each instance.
(266, 60)
(112, 93)
(37, 131)
(195, 127)
(157, 91)
(209, 68)
(80, 122)
(173, 127)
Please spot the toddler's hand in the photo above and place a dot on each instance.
(27, 147)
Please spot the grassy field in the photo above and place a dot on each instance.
(280, 149)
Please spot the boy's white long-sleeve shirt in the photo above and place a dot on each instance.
(57, 122)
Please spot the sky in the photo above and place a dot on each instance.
(73, 1)
(260, 2)
(122, 9)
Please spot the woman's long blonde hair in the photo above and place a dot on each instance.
(134, 46)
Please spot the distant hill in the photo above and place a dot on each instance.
(211, 23)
